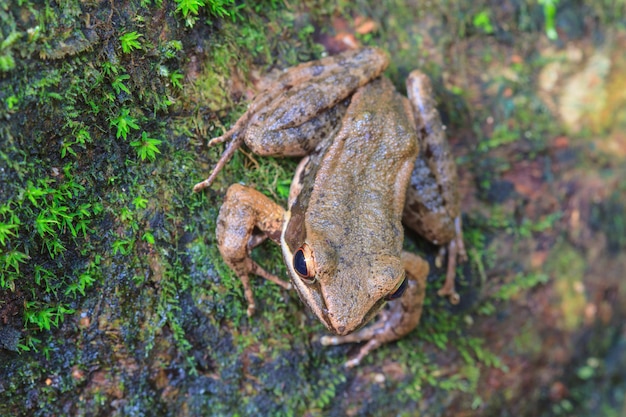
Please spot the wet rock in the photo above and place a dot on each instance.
(586, 88)
(9, 338)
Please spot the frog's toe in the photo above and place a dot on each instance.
(218, 140)
(329, 340)
(232, 146)
(450, 292)
(449, 289)
(251, 310)
(454, 298)
(352, 363)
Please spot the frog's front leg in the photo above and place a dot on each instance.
(246, 219)
(432, 206)
(402, 315)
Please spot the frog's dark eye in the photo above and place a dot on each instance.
(398, 293)
(303, 264)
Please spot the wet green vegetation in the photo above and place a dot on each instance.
(113, 297)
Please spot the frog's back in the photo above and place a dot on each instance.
(359, 189)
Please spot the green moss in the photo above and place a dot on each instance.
(44, 224)
(130, 42)
(51, 221)
(567, 268)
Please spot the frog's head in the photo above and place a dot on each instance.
(345, 286)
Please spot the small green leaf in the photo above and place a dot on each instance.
(129, 41)
(146, 147)
(148, 237)
(140, 202)
(187, 7)
(6, 230)
(124, 122)
(483, 21)
(118, 84)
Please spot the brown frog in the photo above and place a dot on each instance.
(372, 161)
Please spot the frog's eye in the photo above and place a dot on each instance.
(303, 264)
(398, 292)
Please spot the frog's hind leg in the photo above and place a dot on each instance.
(455, 251)
(294, 140)
(433, 206)
(246, 219)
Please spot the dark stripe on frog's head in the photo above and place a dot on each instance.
(295, 232)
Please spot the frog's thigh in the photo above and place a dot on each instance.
(408, 308)
(402, 316)
(245, 211)
(433, 141)
(275, 140)
(425, 209)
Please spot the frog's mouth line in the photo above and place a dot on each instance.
(318, 306)
(305, 291)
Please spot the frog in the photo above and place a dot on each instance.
(373, 162)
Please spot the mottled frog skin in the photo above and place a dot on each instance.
(373, 161)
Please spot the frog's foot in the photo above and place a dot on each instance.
(398, 320)
(373, 335)
(456, 251)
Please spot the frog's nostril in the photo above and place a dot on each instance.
(341, 329)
